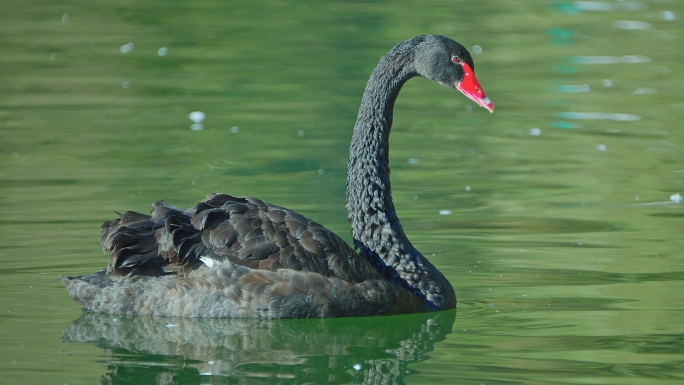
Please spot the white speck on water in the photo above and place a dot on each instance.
(445, 212)
(235, 129)
(210, 362)
(607, 82)
(525, 295)
(644, 91)
(415, 197)
(468, 108)
(676, 198)
(162, 51)
(172, 326)
(126, 48)
(535, 131)
(197, 116)
(477, 49)
(413, 160)
(467, 188)
(522, 250)
(320, 171)
(15, 154)
(572, 89)
(636, 198)
(300, 133)
(357, 366)
(631, 24)
(194, 183)
(197, 127)
(668, 15)
(500, 276)
(601, 147)
(53, 56)
(65, 17)
(125, 85)
(629, 59)
(599, 116)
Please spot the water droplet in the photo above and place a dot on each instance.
(125, 85)
(162, 51)
(413, 160)
(601, 147)
(126, 48)
(668, 15)
(630, 24)
(535, 131)
(676, 198)
(477, 49)
(467, 188)
(197, 116)
(644, 91)
(445, 212)
(468, 108)
(320, 171)
(65, 17)
(357, 366)
(235, 129)
(53, 56)
(300, 133)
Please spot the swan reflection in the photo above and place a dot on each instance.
(374, 350)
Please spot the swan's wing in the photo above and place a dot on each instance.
(244, 231)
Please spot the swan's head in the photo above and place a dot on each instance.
(448, 63)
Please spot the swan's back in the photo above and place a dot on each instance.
(234, 257)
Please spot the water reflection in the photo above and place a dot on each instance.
(374, 350)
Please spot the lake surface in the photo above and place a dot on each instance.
(557, 219)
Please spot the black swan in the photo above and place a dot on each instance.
(245, 258)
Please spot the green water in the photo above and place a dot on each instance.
(565, 248)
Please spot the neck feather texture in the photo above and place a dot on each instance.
(376, 229)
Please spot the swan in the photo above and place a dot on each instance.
(241, 257)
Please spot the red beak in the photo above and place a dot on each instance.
(471, 88)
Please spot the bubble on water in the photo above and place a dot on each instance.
(644, 91)
(676, 198)
(601, 147)
(535, 131)
(356, 366)
(572, 89)
(413, 160)
(162, 51)
(53, 56)
(477, 49)
(235, 129)
(125, 85)
(126, 48)
(468, 108)
(668, 15)
(300, 133)
(65, 17)
(631, 24)
(445, 212)
(320, 171)
(197, 116)
(467, 188)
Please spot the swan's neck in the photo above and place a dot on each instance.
(376, 229)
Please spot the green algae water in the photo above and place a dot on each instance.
(558, 219)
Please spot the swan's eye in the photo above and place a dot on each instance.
(456, 59)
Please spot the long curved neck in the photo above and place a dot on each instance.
(376, 229)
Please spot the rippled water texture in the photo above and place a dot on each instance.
(557, 218)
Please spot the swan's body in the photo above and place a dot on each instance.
(242, 257)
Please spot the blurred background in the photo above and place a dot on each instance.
(557, 218)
